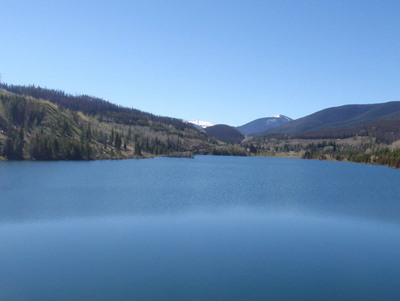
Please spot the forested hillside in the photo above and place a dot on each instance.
(94, 106)
(42, 124)
(224, 133)
(342, 121)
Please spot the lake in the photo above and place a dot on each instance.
(209, 228)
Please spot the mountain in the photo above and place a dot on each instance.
(224, 133)
(44, 124)
(345, 120)
(263, 124)
(198, 124)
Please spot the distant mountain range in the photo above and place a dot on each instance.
(382, 119)
(262, 125)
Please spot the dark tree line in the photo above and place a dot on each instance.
(367, 153)
(48, 147)
(105, 110)
(386, 131)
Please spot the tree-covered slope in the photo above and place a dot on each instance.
(94, 106)
(224, 133)
(343, 117)
(64, 127)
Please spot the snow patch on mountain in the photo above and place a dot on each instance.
(201, 124)
(261, 125)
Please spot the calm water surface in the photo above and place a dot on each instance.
(211, 228)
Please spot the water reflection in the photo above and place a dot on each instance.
(58, 190)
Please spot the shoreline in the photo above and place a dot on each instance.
(192, 156)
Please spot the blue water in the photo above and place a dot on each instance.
(209, 228)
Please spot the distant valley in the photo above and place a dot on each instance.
(357, 133)
(234, 135)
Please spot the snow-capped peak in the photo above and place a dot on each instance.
(282, 116)
(201, 124)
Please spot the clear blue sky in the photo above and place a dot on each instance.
(220, 61)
